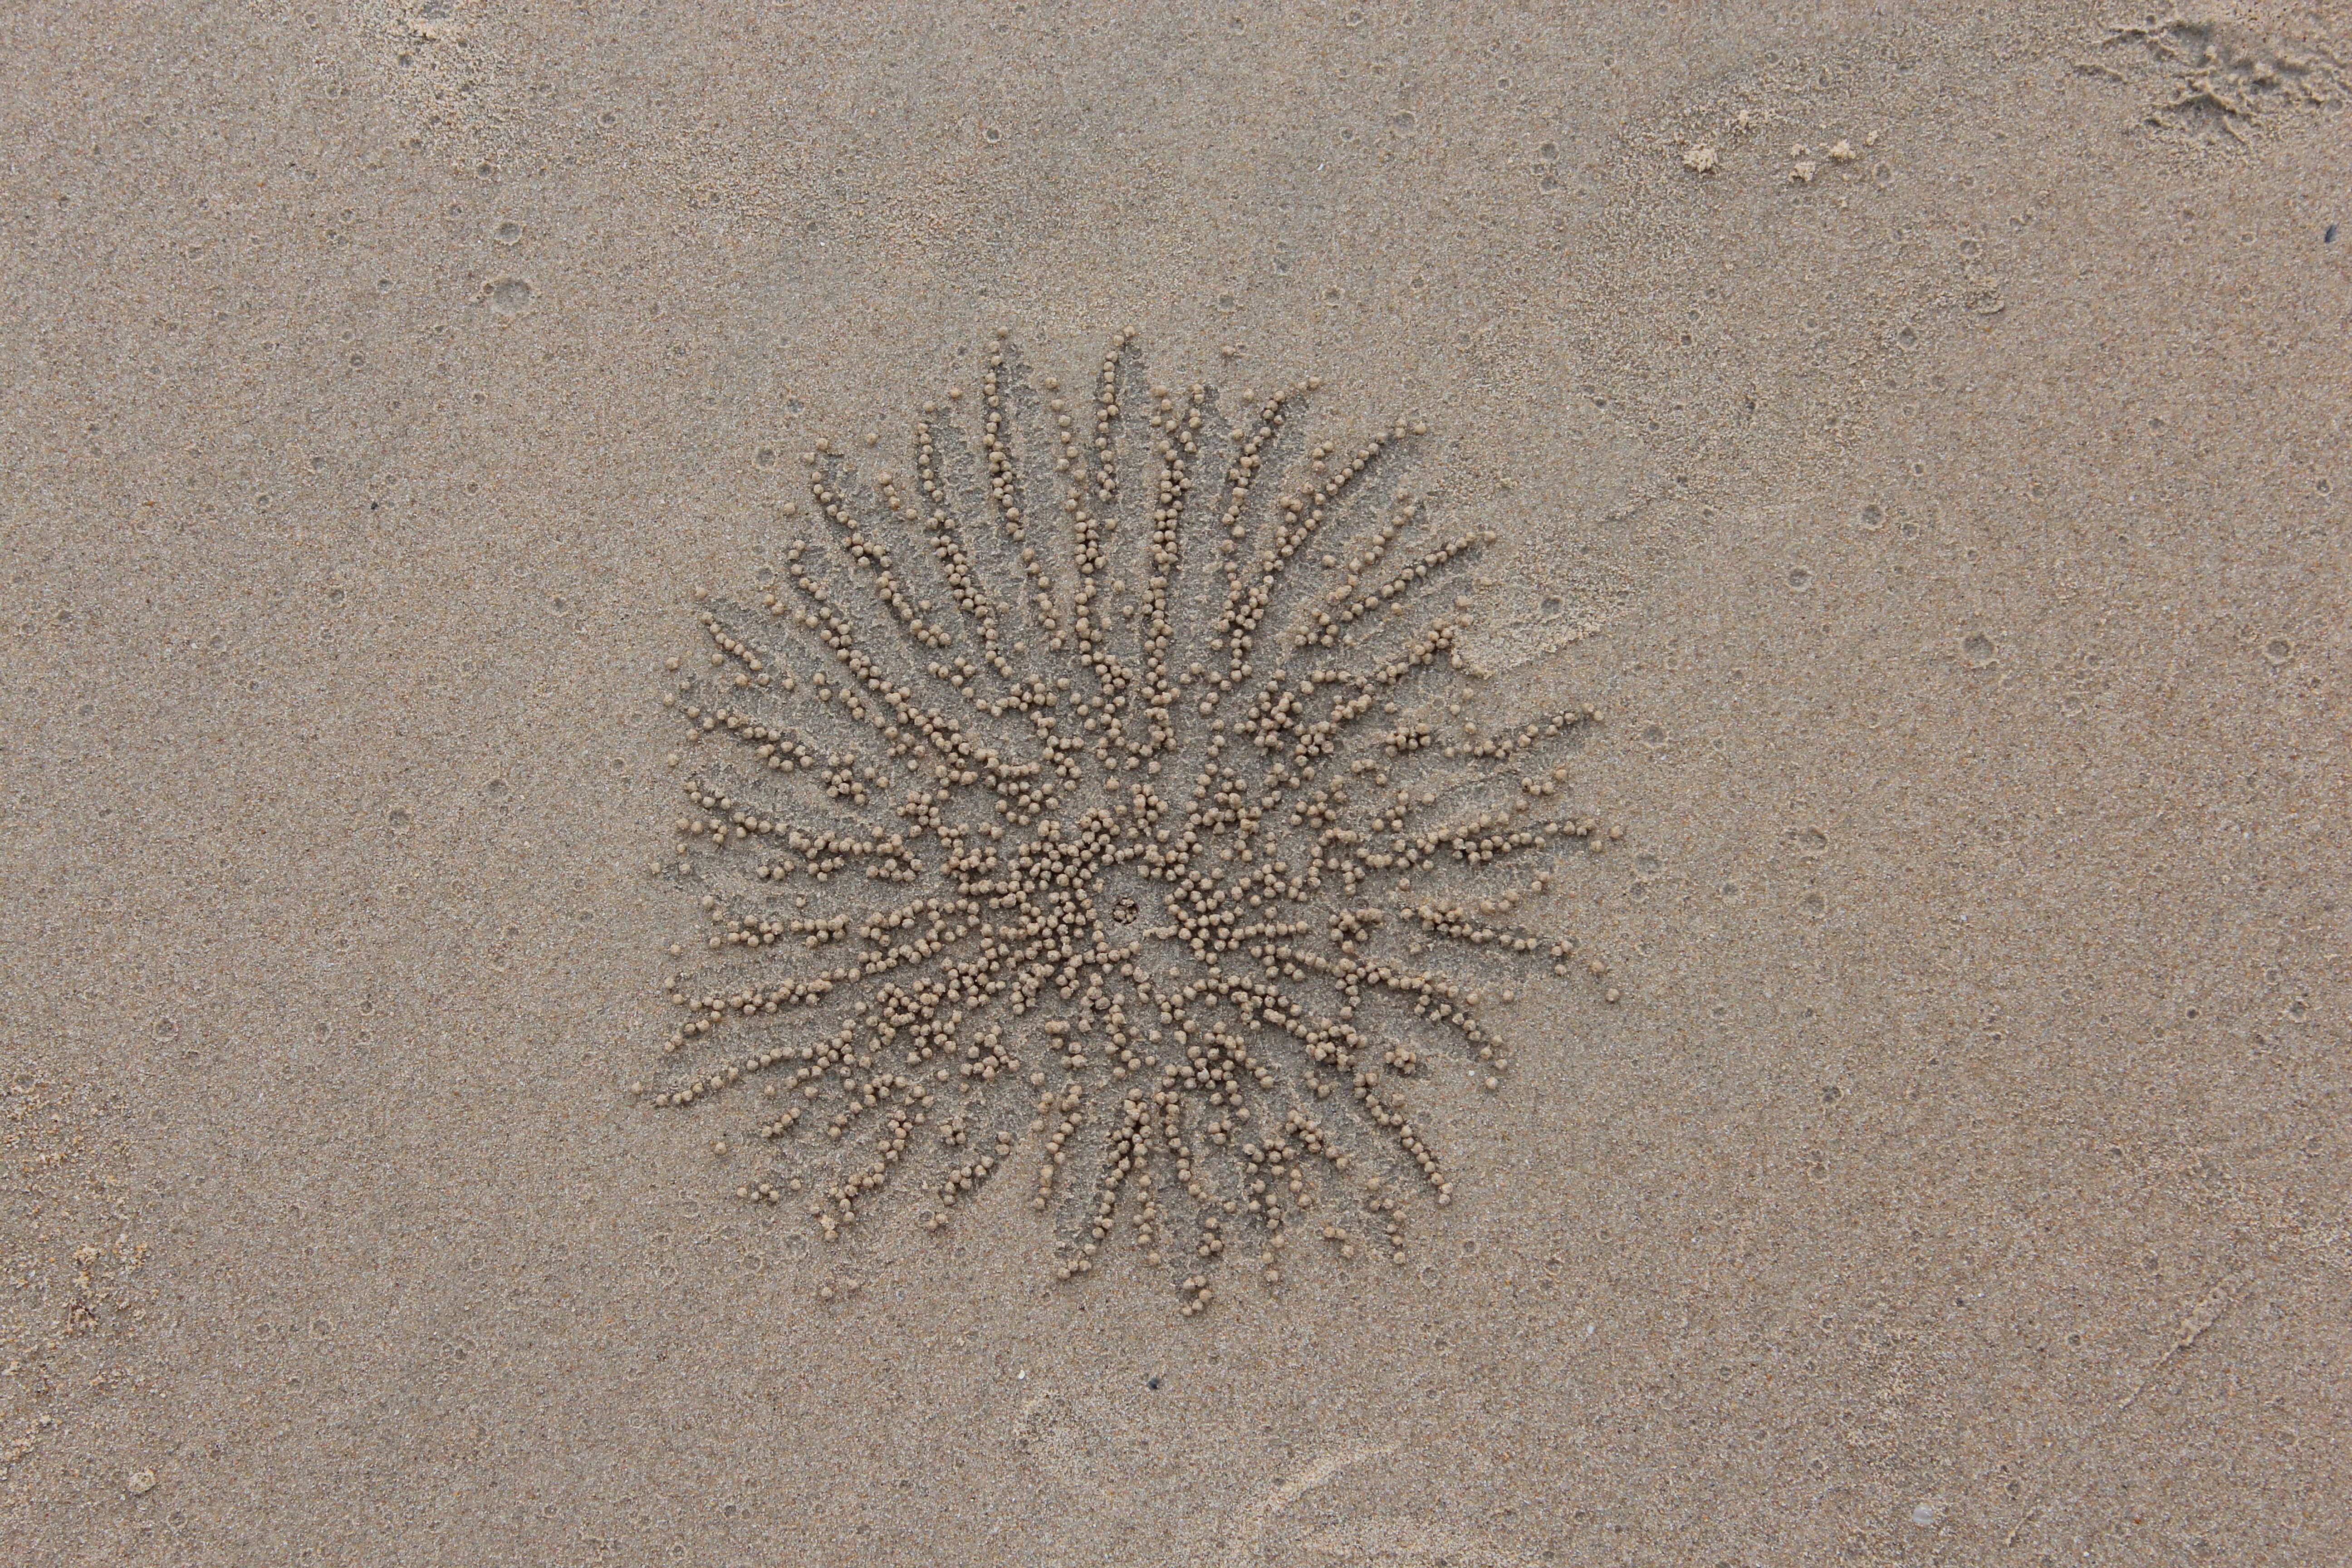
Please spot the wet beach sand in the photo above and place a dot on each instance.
(1900, 458)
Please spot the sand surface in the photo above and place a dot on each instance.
(1920, 437)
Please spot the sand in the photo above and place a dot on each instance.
(1920, 437)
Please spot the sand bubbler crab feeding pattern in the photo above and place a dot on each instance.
(1085, 808)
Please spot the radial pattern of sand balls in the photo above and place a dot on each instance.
(1098, 804)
